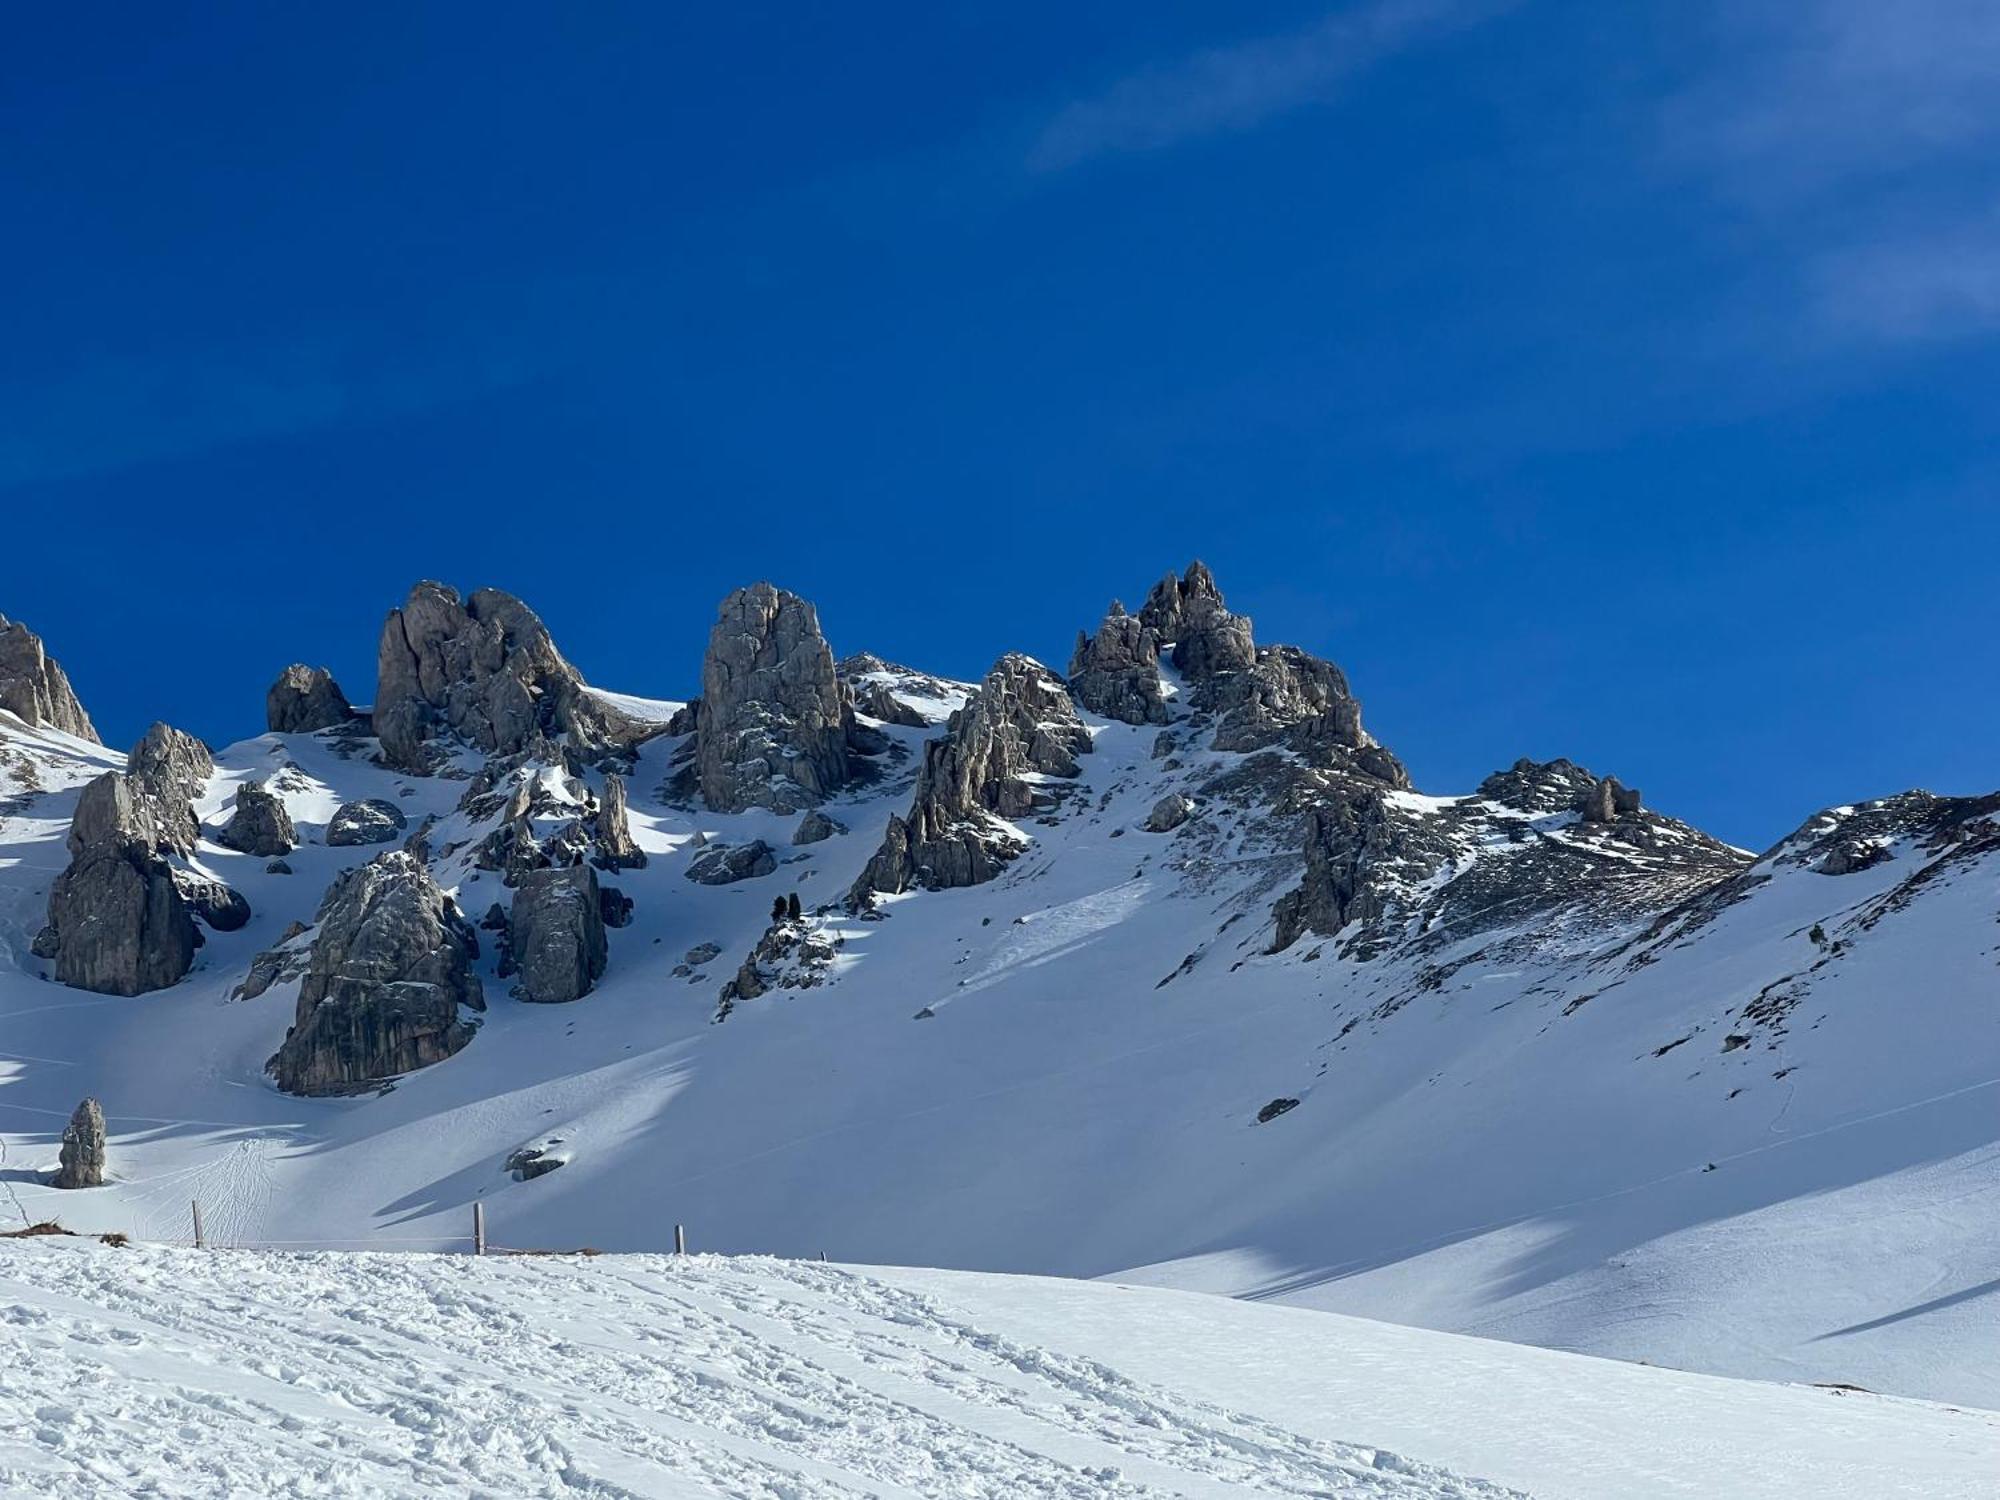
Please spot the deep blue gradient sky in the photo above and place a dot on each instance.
(1610, 381)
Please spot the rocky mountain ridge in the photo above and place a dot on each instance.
(1190, 833)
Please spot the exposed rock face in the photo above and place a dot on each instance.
(81, 1164)
(1116, 672)
(170, 769)
(304, 699)
(725, 864)
(118, 922)
(556, 934)
(390, 967)
(1169, 813)
(1345, 840)
(1188, 612)
(486, 671)
(1259, 696)
(1020, 724)
(1607, 800)
(773, 726)
(370, 821)
(791, 955)
(260, 824)
(614, 846)
(816, 827)
(33, 686)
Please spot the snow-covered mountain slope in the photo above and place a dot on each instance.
(1568, 1075)
(232, 1373)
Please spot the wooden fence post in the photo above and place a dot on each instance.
(680, 1239)
(199, 1242)
(478, 1228)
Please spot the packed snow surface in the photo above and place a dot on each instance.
(230, 1373)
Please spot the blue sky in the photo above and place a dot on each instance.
(1609, 381)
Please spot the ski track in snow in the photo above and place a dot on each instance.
(179, 1374)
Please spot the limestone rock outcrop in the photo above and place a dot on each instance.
(169, 769)
(725, 864)
(1116, 672)
(774, 722)
(259, 825)
(1607, 800)
(1020, 726)
(613, 843)
(390, 970)
(118, 921)
(556, 934)
(81, 1163)
(1259, 696)
(1347, 838)
(304, 699)
(33, 686)
(485, 670)
(369, 821)
(1169, 813)
(1188, 614)
(816, 827)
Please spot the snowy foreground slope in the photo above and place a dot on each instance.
(1609, 1087)
(179, 1373)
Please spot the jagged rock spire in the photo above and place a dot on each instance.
(81, 1163)
(1116, 672)
(1021, 720)
(487, 671)
(33, 686)
(304, 699)
(774, 722)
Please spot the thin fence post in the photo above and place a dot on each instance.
(680, 1239)
(199, 1242)
(478, 1228)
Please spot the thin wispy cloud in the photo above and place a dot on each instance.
(1235, 87)
(1861, 132)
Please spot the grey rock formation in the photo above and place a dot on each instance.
(816, 827)
(556, 934)
(1189, 614)
(118, 921)
(773, 726)
(81, 1164)
(304, 699)
(390, 969)
(259, 825)
(1169, 813)
(614, 847)
(1116, 672)
(1346, 839)
(615, 905)
(276, 965)
(485, 670)
(1608, 800)
(724, 864)
(169, 769)
(1259, 696)
(211, 900)
(33, 686)
(369, 821)
(1019, 724)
